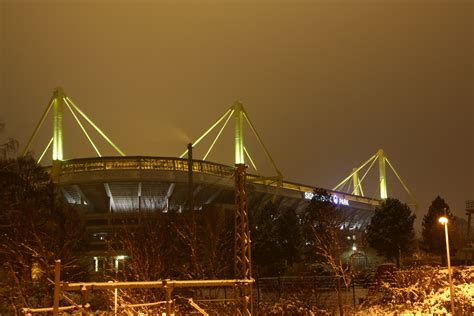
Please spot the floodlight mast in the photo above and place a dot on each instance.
(238, 113)
(356, 182)
(383, 179)
(58, 109)
(382, 188)
(58, 101)
(239, 133)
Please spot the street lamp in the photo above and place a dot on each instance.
(444, 220)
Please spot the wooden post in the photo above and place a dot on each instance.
(258, 293)
(57, 286)
(168, 290)
(353, 291)
(85, 300)
(168, 301)
(115, 301)
(339, 296)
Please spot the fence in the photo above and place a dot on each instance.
(211, 296)
(320, 291)
(166, 286)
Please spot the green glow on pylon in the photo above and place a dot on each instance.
(355, 181)
(58, 101)
(383, 179)
(239, 133)
(237, 112)
(58, 107)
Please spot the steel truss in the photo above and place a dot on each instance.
(58, 101)
(355, 184)
(243, 261)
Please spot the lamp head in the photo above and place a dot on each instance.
(443, 220)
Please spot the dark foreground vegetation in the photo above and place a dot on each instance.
(303, 263)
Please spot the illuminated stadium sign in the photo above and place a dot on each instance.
(334, 199)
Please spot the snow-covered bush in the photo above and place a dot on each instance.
(424, 290)
(291, 306)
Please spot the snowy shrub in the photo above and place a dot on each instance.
(290, 306)
(424, 290)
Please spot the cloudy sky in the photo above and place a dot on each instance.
(326, 83)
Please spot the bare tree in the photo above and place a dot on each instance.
(36, 230)
(216, 243)
(324, 233)
(152, 253)
(9, 148)
(160, 248)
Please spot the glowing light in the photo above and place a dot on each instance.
(339, 201)
(383, 179)
(58, 107)
(334, 199)
(443, 220)
(239, 135)
(96, 264)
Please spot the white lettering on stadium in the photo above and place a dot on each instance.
(334, 199)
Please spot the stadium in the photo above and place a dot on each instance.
(111, 192)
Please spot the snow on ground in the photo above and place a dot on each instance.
(424, 291)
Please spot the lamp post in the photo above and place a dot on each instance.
(444, 220)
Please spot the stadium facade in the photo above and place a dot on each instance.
(111, 192)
